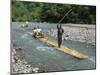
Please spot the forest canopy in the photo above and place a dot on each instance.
(52, 13)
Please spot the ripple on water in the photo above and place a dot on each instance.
(52, 59)
(24, 36)
(92, 59)
(44, 48)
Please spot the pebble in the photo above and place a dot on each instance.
(35, 70)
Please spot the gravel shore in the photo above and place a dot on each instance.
(78, 32)
(82, 33)
(19, 66)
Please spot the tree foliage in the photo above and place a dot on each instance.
(52, 13)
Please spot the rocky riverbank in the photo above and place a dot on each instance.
(82, 33)
(78, 32)
(19, 66)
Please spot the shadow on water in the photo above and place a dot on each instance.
(48, 58)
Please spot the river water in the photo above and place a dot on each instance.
(47, 58)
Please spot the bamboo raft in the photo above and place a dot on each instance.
(63, 48)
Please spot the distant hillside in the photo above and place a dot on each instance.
(52, 13)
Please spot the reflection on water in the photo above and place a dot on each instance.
(48, 58)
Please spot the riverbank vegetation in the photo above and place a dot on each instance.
(52, 13)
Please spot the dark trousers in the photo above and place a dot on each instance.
(59, 40)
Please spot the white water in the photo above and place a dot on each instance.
(92, 59)
(24, 36)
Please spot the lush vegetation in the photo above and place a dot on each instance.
(52, 13)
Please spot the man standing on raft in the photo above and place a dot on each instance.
(60, 33)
